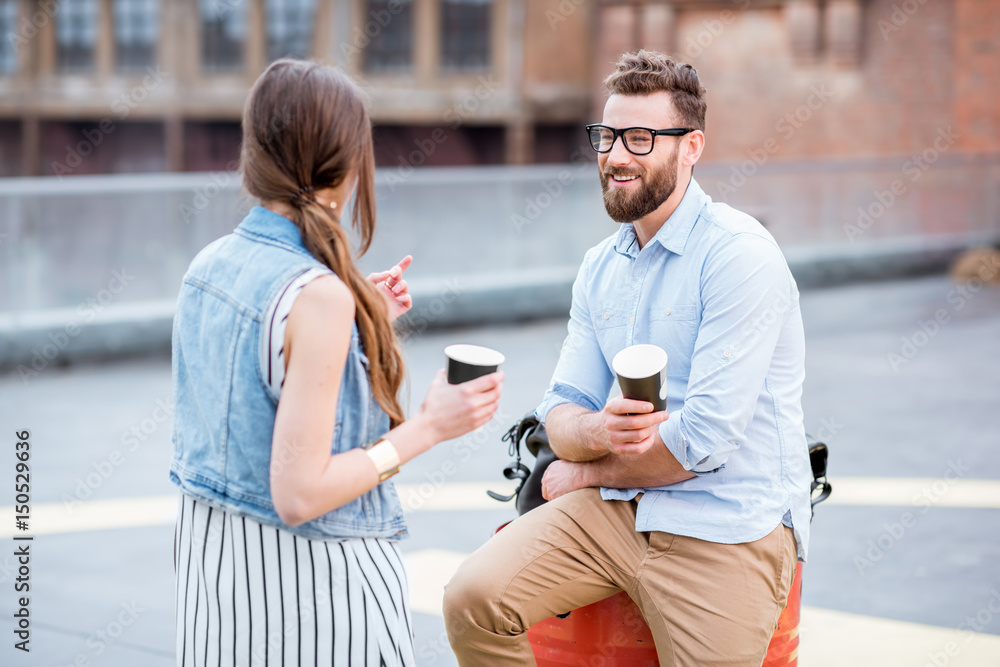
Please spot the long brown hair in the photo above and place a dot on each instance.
(306, 127)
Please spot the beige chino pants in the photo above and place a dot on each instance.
(707, 604)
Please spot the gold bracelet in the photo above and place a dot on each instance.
(385, 457)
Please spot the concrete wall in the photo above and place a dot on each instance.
(100, 259)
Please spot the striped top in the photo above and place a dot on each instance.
(272, 348)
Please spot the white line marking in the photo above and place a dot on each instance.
(47, 518)
(915, 492)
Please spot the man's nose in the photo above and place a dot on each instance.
(619, 155)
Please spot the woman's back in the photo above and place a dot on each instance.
(225, 407)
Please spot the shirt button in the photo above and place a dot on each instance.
(666, 311)
(607, 315)
(631, 320)
(727, 354)
(687, 464)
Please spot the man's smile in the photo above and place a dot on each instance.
(623, 180)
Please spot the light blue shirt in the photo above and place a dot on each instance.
(713, 290)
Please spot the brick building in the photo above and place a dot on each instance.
(105, 86)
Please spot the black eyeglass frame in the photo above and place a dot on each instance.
(668, 132)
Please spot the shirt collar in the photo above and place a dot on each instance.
(264, 222)
(674, 233)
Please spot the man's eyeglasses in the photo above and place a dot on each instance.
(637, 140)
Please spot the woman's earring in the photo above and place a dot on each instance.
(333, 204)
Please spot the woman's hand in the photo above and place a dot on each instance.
(395, 290)
(453, 410)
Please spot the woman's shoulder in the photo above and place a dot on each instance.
(324, 306)
(328, 294)
(313, 305)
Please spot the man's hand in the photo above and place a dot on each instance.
(630, 425)
(618, 447)
(395, 290)
(562, 477)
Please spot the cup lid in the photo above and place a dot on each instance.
(639, 361)
(474, 355)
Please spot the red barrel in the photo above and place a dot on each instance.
(784, 647)
(612, 633)
(609, 633)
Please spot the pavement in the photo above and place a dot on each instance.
(903, 568)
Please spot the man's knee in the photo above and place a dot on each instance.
(468, 598)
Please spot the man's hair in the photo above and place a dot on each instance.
(646, 72)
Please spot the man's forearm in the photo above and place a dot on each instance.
(573, 433)
(654, 467)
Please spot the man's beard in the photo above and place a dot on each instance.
(655, 187)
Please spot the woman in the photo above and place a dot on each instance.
(286, 545)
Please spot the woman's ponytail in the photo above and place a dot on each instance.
(306, 128)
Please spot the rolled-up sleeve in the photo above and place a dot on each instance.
(582, 376)
(747, 293)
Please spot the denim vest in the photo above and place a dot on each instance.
(224, 408)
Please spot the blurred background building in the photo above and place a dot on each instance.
(151, 85)
(864, 134)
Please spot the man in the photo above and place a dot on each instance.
(698, 514)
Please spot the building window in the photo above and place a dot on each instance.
(211, 145)
(8, 28)
(289, 28)
(76, 35)
(137, 31)
(466, 145)
(465, 34)
(388, 28)
(223, 34)
(67, 150)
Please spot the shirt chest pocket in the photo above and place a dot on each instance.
(674, 327)
(610, 327)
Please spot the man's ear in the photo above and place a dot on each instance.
(693, 147)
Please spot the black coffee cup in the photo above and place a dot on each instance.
(642, 374)
(467, 362)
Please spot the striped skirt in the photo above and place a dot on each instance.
(253, 594)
